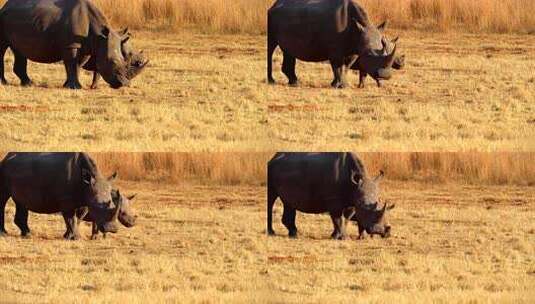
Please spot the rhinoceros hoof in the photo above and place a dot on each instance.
(94, 237)
(293, 83)
(270, 232)
(26, 235)
(72, 237)
(338, 236)
(271, 81)
(72, 85)
(3, 233)
(26, 83)
(3, 81)
(338, 85)
(292, 234)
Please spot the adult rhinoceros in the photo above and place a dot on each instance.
(72, 31)
(334, 183)
(320, 30)
(56, 182)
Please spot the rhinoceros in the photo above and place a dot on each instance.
(360, 64)
(321, 30)
(56, 183)
(126, 215)
(73, 31)
(136, 61)
(334, 183)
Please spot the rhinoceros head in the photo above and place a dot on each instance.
(135, 61)
(376, 55)
(126, 214)
(110, 62)
(97, 195)
(365, 209)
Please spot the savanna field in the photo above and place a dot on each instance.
(462, 233)
(463, 229)
(467, 85)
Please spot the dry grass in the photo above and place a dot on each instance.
(249, 16)
(504, 168)
(178, 168)
(199, 93)
(503, 16)
(458, 92)
(208, 245)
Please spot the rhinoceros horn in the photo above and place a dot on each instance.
(117, 209)
(390, 58)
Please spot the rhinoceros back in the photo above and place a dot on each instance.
(41, 29)
(43, 182)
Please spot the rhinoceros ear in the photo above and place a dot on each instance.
(382, 26)
(131, 197)
(391, 207)
(112, 178)
(361, 28)
(380, 176)
(395, 40)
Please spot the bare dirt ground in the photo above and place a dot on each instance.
(457, 92)
(450, 243)
(200, 92)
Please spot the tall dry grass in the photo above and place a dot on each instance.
(471, 15)
(249, 16)
(250, 168)
(221, 16)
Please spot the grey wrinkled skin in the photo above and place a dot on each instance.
(72, 31)
(51, 183)
(126, 215)
(135, 61)
(362, 65)
(334, 183)
(324, 30)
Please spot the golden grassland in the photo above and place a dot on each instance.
(199, 93)
(207, 244)
(249, 16)
(458, 92)
(503, 16)
(209, 93)
(504, 168)
(250, 168)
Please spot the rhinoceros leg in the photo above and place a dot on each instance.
(339, 228)
(3, 201)
(72, 228)
(288, 68)
(94, 230)
(272, 45)
(337, 65)
(272, 197)
(362, 78)
(20, 67)
(72, 67)
(3, 49)
(21, 219)
(288, 219)
(96, 79)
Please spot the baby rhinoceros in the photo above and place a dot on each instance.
(396, 62)
(126, 215)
